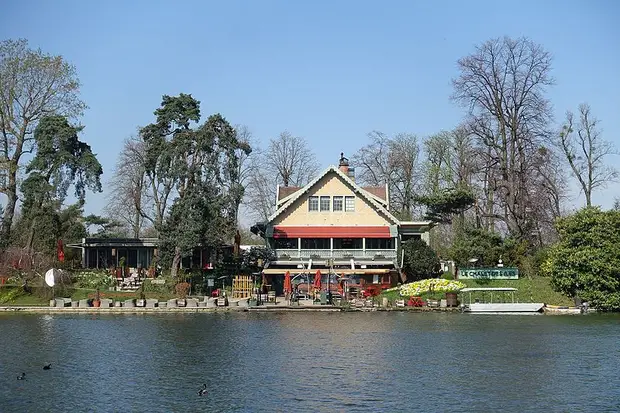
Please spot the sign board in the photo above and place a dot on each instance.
(488, 273)
(210, 282)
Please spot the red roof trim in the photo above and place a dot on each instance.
(331, 232)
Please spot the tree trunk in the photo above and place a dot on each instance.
(9, 211)
(136, 225)
(176, 262)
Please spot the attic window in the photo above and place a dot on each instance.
(349, 203)
(338, 200)
(313, 203)
(325, 201)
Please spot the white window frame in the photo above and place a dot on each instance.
(341, 199)
(310, 199)
(329, 202)
(346, 205)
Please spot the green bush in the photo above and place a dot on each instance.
(420, 260)
(149, 287)
(9, 294)
(585, 262)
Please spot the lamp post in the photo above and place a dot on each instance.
(330, 262)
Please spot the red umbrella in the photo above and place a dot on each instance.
(61, 251)
(287, 282)
(317, 280)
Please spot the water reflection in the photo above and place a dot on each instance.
(309, 362)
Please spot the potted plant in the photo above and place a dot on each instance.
(142, 300)
(182, 289)
(97, 300)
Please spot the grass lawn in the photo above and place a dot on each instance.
(13, 295)
(534, 290)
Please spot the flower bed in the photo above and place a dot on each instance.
(432, 285)
(93, 279)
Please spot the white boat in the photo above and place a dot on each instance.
(501, 305)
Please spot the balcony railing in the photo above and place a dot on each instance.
(284, 254)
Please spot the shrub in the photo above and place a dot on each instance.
(420, 260)
(585, 262)
(93, 279)
(182, 289)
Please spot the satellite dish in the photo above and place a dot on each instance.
(50, 276)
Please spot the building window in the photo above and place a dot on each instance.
(347, 243)
(315, 243)
(338, 200)
(325, 201)
(285, 243)
(379, 243)
(313, 203)
(349, 203)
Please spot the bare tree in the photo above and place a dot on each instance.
(404, 161)
(372, 166)
(33, 84)
(287, 161)
(393, 161)
(244, 167)
(437, 169)
(503, 85)
(586, 150)
(290, 157)
(128, 200)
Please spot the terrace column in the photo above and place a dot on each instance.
(331, 247)
(299, 247)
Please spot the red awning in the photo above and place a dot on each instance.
(331, 232)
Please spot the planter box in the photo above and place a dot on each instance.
(451, 299)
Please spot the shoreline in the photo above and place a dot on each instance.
(163, 310)
(266, 309)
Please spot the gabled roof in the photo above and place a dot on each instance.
(370, 198)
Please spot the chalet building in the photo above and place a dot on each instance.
(337, 227)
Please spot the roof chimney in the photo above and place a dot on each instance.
(343, 165)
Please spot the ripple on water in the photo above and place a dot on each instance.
(309, 362)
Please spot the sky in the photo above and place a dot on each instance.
(329, 71)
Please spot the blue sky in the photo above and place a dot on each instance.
(330, 71)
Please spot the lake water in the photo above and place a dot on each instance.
(310, 362)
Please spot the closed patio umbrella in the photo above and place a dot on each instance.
(287, 283)
(341, 286)
(317, 280)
